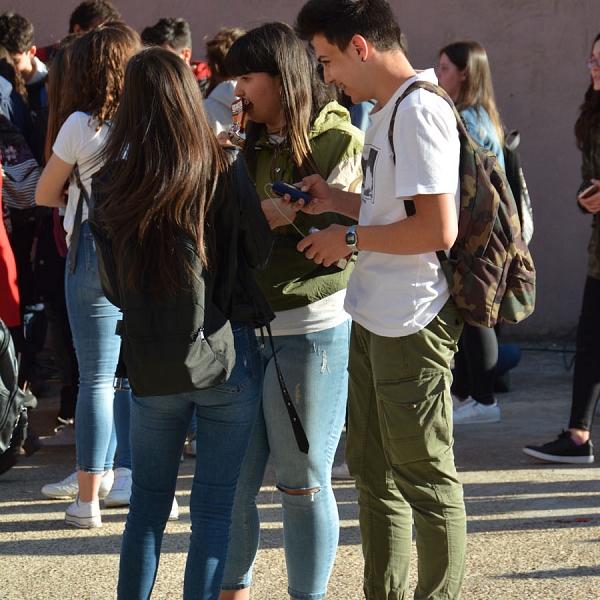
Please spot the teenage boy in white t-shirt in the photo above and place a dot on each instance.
(405, 326)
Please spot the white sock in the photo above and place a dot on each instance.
(82, 504)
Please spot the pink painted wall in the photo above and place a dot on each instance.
(537, 51)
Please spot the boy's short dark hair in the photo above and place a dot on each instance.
(172, 32)
(16, 32)
(339, 20)
(87, 13)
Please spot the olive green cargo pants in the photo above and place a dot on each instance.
(399, 450)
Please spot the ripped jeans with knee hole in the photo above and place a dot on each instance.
(314, 367)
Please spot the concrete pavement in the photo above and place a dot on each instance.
(533, 528)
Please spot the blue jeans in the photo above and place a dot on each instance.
(93, 321)
(314, 367)
(225, 419)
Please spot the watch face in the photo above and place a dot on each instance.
(351, 238)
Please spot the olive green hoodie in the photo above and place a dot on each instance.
(292, 280)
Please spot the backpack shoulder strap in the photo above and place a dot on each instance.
(434, 89)
(83, 197)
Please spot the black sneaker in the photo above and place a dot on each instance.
(563, 450)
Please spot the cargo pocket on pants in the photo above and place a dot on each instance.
(414, 418)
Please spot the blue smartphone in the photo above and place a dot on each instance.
(281, 188)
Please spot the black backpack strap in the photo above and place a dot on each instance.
(83, 197)
(265, 311)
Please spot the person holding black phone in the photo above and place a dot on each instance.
(574, 445)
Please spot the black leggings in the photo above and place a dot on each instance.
(475, 364)
(586, 377)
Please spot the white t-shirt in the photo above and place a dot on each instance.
(391, 295)
(77, 143)
(218, 106)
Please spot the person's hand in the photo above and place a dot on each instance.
(326, 247)
(592, 203)
(279, 211)
(322, 198)
(224, 140)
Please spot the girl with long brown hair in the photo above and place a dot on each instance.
(165, 179)
(91, 96)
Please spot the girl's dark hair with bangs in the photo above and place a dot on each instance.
(275, 49)
(162, 167)
(588, 122)
(339, 20)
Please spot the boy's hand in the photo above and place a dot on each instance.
(322, 198)
(326, 247)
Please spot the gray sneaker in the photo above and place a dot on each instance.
(68, 488)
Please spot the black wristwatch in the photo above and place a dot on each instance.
(351, 238)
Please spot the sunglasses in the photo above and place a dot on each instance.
(593, 62)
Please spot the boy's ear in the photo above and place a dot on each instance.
(360, 46)
(186, 55)
(31, 52)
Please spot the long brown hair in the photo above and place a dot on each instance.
(55, 89)
(95, 76)
(274, 48)
(477, 88)
(162, 164)
(588, 122)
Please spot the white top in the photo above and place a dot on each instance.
(318, 316)
(77, 143)
(218, 106)
(391, 295)
(40, 70)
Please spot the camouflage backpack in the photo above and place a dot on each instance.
(489, 269)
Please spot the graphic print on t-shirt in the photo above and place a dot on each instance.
(368, 166)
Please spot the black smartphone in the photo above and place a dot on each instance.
(593, 189)
(281, 188)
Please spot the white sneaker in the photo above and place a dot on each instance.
(174, 514)
(341, 472)
(85, 515)
(458, 402)
(190, 447)
(475, 412)
(120, 493)
(64, 436)
(68, 488)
